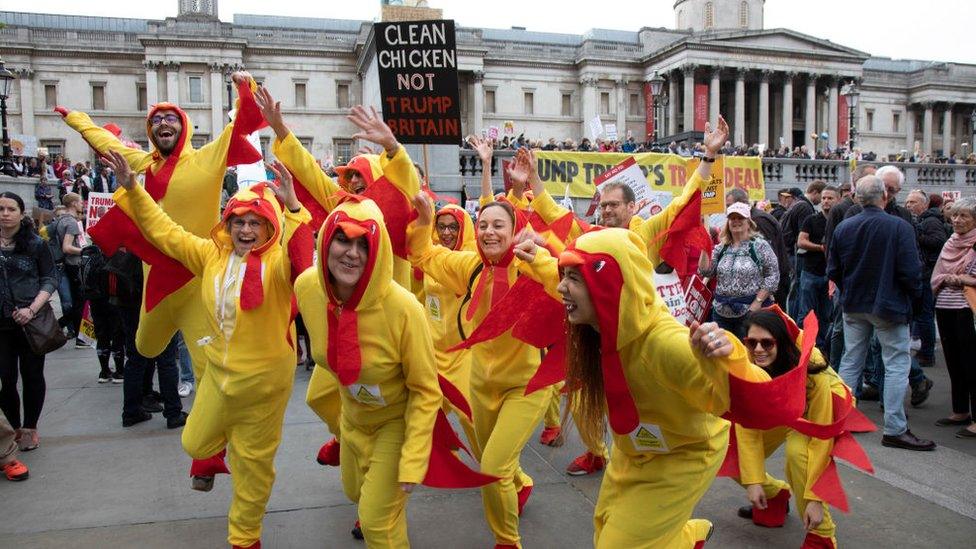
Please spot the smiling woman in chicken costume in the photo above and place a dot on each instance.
(661, 386)
(246, 269)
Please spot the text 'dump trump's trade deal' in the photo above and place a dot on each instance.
(417, 62)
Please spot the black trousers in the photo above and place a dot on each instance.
(135, 369)
(16, 357)
(959, 346)
(108, 332)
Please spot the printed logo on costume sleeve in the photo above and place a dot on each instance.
(648, 437)
(434, 307)
(367, 394)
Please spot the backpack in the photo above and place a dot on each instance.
(125, 273)
(752, 253)
(93, 278)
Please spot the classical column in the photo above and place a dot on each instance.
(832, 106)
(26, 100)
(714, 95)
(947, 130)
(788, 109)
(927, 128)
(909, 129)
(739, 124)
(689, 118)
(152, 82)
(589, 103)
(173, 82)
(478, 105)
(764, 108)
(672, 104)
(810, 112)
(216, 97)
(621, 85)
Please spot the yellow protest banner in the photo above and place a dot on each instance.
(713, 190)
(576, 171)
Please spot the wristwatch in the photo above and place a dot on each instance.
(708, 159)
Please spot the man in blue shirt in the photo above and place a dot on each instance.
(874, 261)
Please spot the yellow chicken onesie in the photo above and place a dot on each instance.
(250, 365)
(663, 398)
(378, 346)
(187, 185)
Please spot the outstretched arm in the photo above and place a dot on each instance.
(397, 166)
(103, 140)
(295, 216)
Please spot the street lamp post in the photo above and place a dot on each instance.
(852, 95)
(972, 124)
(6, 79)
(657, 84)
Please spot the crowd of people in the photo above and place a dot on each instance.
(410, 312)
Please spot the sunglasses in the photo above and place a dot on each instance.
(766, 343)
(169, 118)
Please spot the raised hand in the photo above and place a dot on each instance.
(710, 340)
(484, 148)
(425, 213)
(373, 128)
(124, 175)
(715, 139)
(285, 190)
(240, 76)
(271, 111)
(527, 245)
(63, 111)
(518, 171)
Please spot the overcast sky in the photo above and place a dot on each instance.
(939, 30)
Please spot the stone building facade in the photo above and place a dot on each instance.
(775, 86)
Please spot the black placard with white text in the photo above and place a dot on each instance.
(417, 63)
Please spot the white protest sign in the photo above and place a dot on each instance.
(630, 174)
(492, 132)
(98, 205)
(673, 293)
(611, 131)
(596, 127)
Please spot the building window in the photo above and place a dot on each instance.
(528, 103)
(744, 15)
(567, 105)
(306, 142)
(196, 89)
(869, 120)
(50, 95)
(634, 104)
(604, 102)
(342, 150)
(490, 101)
(299, 94)
(342, 95)
(54, 146)
(141, 101)
(896, 122)
(98, 96)
(709, 15)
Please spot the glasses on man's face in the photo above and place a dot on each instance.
(448, 228)
(251, 224)
(766, 343)
(168, 118)
(610, 205)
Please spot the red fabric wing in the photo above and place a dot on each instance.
(848, 449)
(247, 121)
(552, 370)
(301, 249)
(445, 469)
(454, 396)
(857, 422)
(397, 212)
(730, 466)
(686, 238)
(166, 275)
(319, 213)
(829, 489)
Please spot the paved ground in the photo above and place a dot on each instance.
(94, 484)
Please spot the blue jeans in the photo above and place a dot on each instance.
(874, 370)
(895, 340)
(924, 325)
(836, 331)
(64, 291)
(813, 297)
(186, 366)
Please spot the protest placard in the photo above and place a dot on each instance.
(630, 174)
(98, 205)
(669, 287)
(417, 63)
(698, 299)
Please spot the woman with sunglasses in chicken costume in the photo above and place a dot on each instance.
(247, 271)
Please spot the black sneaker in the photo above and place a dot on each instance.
(869, 392)
(118, 377)
(129, 421)
(151, 405)
(176, 422)
(105, 376)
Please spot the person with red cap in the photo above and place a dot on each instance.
(248, 265)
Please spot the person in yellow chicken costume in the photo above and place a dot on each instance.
(776, 344)
(370, 334)
(661, 385)
(187, 184)
(247, 275)
(389, 178)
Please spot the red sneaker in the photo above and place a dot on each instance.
(255, 545)
(329, 453)
(774, 515)
(210, 466)
(586, 464)
(813, 541)
(523, 497)
(16, 471)
(552, 436)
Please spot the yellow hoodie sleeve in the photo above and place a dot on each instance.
(302, 164)
(401, 172)
(293, 220)
(649, 229)
(450, 268)
(103, 141)
(162, 232)
(420, 375)
(544, 269)
(752, 455)
(820, 409)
